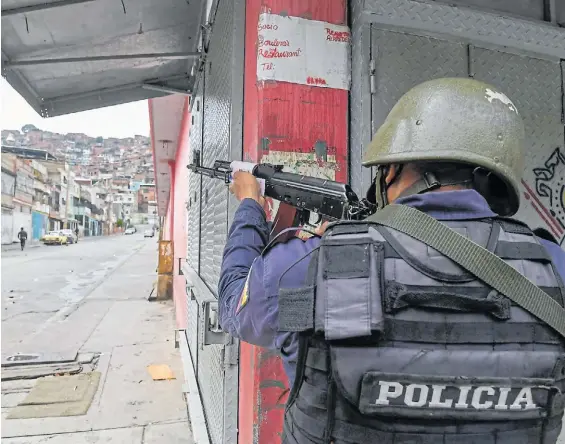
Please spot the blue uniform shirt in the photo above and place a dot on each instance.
(249, 283)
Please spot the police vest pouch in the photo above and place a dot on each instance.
(482, 263)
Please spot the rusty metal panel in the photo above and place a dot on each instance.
(164, 287)
(166, 257)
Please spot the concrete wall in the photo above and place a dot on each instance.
(7, 224)
(21, 218)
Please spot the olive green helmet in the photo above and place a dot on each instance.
(455, 120)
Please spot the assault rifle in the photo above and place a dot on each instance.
(328, 199)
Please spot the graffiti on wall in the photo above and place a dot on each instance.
(548, 198)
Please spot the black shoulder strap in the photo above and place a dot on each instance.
(482, 263)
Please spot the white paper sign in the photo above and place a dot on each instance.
(307, 52)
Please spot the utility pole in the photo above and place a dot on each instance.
(110, 230)
(67, 172)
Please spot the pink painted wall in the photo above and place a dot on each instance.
(175, 221)
(180, 214)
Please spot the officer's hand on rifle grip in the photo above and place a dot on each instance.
(322, 228)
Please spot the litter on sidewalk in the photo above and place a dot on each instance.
(160, 372)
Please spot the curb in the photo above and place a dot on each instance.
(14, 247)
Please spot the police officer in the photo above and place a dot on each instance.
(408, 347)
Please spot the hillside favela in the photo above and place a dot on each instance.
(54, 181)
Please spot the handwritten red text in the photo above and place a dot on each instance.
(274, 53)
(275, 42)
(337, 36)
(263, 26)
(315, 81)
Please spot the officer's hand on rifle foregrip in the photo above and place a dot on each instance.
(245, 186)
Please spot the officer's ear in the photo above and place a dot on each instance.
(391, 173)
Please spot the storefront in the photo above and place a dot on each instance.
(305, 84)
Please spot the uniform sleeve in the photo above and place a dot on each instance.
(249, 282)
(241, 277)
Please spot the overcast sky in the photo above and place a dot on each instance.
(115, 121)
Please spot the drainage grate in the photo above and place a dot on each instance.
(22, 357)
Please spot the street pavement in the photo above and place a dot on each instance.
(90, 299)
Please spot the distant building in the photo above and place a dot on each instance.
(8, 192)
(145, 194)
(10, 139)
(42, 192)
(23, 199)
(115, 168)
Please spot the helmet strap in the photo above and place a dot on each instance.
(380, 187)
(428, 182)
(431, 181)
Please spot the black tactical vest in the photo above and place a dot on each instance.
(400, 345)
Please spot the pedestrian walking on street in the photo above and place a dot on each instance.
(385, 338)
(22, 236)
(76, 232)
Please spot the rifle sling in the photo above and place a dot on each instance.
(485, 265)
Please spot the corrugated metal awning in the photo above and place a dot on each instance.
(65, 56)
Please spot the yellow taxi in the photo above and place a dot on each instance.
(56, 238)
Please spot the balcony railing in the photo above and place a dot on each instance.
(38, 185)
(82, 211)
(41, 207)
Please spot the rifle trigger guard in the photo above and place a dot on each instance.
(318, 220)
